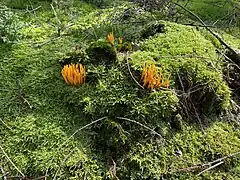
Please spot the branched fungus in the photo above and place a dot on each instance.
(74, 74)
(110, 38)
(152, 79)
(120, 39)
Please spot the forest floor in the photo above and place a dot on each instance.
(114, 125)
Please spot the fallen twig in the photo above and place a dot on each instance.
(235, 106)
(146, 127)
(112, 170)
(65, 159)
(197, 25)
(132, 74)
(198, 118)
(4, 175)
(209, 164)
(20, 95)
(213, 33)
(84, 127)
(211, 167)
(33, 10)
(41, 178)
(57, 20)
(47, 41)
(11, 161)
(225, 56)
(5, 124)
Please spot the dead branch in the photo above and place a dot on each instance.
(11, 161)
(4, 175)
(33, 9)
(132, 74)
(212, 164)
(235, 53)
(198, 118)
(5, 124)
(113, 170)
(235, 106)
(52, 39)
(211, 167)
(197, 25)
(146, 127)
(41, 178)
(84, 127)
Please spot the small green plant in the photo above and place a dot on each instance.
(9, 25)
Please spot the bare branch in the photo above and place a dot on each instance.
(200, 166)
(11, 161)
(61, 164)
(221, 162)
(132, 74)
(213, 33)
(5, 124)
(146, 127)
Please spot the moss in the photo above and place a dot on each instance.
(179, 40)
(151, 29)
(102, 53)
(35, 136)
(151, 161)
(210, 10)
(38, 143)
(114, 94)
(183, 52)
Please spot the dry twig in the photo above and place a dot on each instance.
(11, 161)
(84, 127)
(213, 33)
(4, 175)
(146, 127)
(61, 164)
(212, 164)
(112, 170)
(5, 124)
(132, 74)
(211, 167)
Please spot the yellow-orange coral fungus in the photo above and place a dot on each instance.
(120, 39)
(110, 38)
(74, 74)
(152, 79)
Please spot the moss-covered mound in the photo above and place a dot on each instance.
(191, 59)
(180, 157)
(111, 127)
